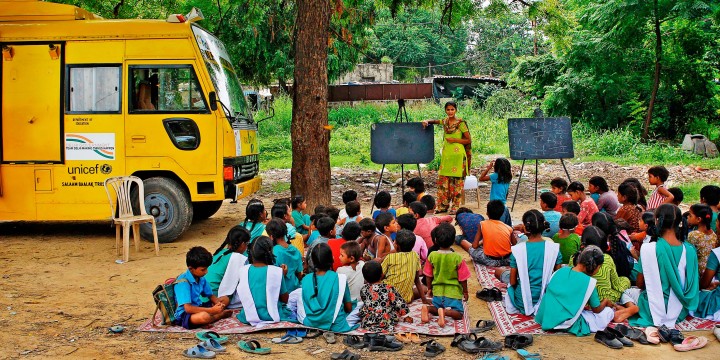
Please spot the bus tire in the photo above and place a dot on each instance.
(205, 209)
(170, 204)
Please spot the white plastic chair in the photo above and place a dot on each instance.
(125, 216)
(471, 183)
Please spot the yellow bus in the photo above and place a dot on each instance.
(85, 98)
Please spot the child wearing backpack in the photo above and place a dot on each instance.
(191, 286)
(262, 288)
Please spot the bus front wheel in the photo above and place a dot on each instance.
(170, 204)
(205, 209)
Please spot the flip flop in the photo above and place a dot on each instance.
(492, 356)
(253, 347)
(484, 294)
(312, 333)
(487, 345)
(482, 326)
(403, 337)
(414, 338)
(496, 294)
(518, 341)
(287, 339)
(354, 341)
(345, 355)
(329, 337)
(199, 352)
(432, 348)
(299, 332)
(213, 345)
(528, 355)
(651, 333)
(691, 343)
(466, 343)
(117, 329)
(204, 335)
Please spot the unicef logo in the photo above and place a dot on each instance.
(106, 169)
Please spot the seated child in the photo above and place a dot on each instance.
(255, 217)
(430, 204)
(658, 175)
(425, 224)
(402, 268)
(324, 302)
(548, 201)
(492, 243)
(704, 239)
(573, 207)
(230, 251)
(618, 244)
(382, 305)
(326, 229)
(647, 229)
(286, 256)
(320, 211)
(678, 195)
(351, 231)
(710, 196)
(609, 285)
(417, 185)
(367, 233)
(382, 202)
(468, 223)
(382, 244)
(191, 286)
(446, 277)
(334, 213)
(588, 208)
(558, 186)
(408, 198)
(302, 221)
(569, 291)
(607, 200)
(629, 211)
(662, 260)
(262, 288)
(568, 240)
(281, 210)
(408, 222)
(351, 258)
(531, 266)
(709, 303)
(352, 214)
(347, 196)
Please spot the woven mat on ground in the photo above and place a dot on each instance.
(233, 326)
(521, 324)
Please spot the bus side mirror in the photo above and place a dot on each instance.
(213, 101)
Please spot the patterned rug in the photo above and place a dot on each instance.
(521, 324)
(233, 326)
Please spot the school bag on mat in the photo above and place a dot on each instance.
(165, 302)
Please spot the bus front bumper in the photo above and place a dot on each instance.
(243, 189)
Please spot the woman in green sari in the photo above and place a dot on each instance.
(454, 159)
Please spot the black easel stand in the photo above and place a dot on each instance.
(522, 167)
(400, 116)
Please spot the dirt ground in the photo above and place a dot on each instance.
(61, 288)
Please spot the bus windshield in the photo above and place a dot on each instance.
(223, 75)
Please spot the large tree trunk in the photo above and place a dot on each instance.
(656, 76)
(310, 175)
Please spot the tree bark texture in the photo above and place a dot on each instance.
(310, 174)
(656, 75)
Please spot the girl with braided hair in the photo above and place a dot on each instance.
(668, 280)
(255, 218)
(609, 284)
(570, 289)
(325, 302)
(262, 289)
(228, 256)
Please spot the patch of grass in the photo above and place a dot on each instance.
(691, 191)
(281, 186)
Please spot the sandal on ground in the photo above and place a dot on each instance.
(492, 356)
(716, 331)
(213, 345)
(651, 333)
(329, 337)
(433, 348)
(482, 326)
(354, 341)
(487, 345)
(199, 352)
(484, 294)
(380, 342)
(458, 338)
(403, 337)
(414, 338)
(253, 347)
(622, 338)
(204, 335)
(496, 294)
(313, 333)
(287, 339)
(608, 339)
(298, 332)
(691, 343)
(518, 341)
(528, 355)
(345, 355)
(632, 333)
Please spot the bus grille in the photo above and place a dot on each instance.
(244, 167)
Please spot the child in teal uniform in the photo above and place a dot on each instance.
(302, 221)
(255, 216)
(285, 254)
(532, 264)
(253, 290)
(499, 183)
(710, 196)
(709, 304)
(325, 300)
(236, 242)
(569, 291)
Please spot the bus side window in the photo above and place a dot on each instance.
(93, 89)
(170, 89)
